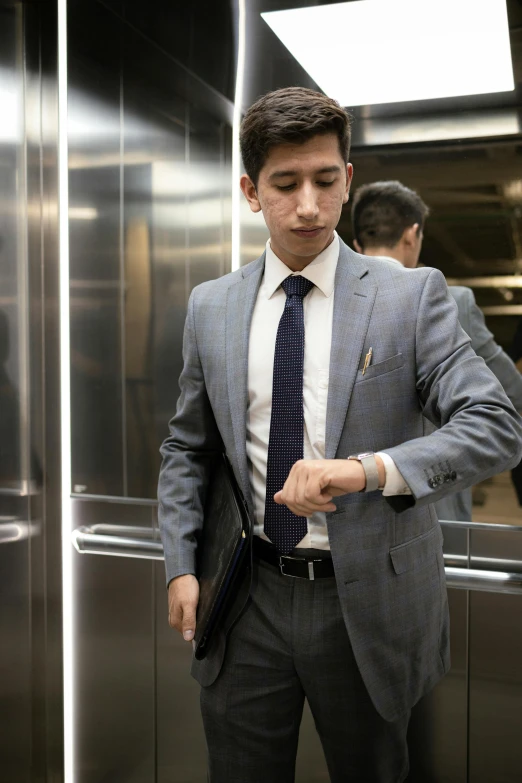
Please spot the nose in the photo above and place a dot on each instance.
(307, 207)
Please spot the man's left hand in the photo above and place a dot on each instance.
(312, 483)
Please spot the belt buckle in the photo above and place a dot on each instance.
(311, 574)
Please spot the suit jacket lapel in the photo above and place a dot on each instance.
(353, 303)
(240, 306)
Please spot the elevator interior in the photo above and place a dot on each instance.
(150, 115)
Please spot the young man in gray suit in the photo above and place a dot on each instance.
(312, 367)
(388, 222)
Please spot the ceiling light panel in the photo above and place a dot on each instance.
(377, 51)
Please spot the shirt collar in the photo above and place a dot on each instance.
(321, 271)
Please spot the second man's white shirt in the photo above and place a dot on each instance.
(318, 320)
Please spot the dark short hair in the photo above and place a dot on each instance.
(382, 210)
(290, 115)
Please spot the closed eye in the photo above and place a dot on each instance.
(320, 183)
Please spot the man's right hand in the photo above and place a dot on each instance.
(183, 602)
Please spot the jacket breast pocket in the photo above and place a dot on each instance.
(417, 551)
(374, 370)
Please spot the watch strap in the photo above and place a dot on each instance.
(369, 464)
(371, 471)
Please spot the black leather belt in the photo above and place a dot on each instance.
(298, 567)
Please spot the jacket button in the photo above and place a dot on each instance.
(453, 475)
(432, 483)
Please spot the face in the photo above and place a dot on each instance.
(301, 191)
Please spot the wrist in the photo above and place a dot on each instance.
(381, 470)
(361, 476)
(371, 472)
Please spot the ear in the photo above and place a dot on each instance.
(349, 176)
(358, 247)
(410, 235)
(250, 193)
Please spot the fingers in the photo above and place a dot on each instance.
(182, 617)
(183, 602)
(188, 622)
(305, 490)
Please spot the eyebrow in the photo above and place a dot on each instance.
(292, 173)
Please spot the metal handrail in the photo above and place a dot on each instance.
(13, 529)
(144, 543)
(482, 563)
(97, 540)
(488, 581)
(492, 526)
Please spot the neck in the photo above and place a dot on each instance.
(391, 252)
(293, 262)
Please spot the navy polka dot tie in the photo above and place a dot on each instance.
(285, 445)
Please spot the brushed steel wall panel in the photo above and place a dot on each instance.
(495, 728)
(181, 747)
(94, 138)
(495, 688)
(437, 735)
(114, 655)
(31, 741)
(15, 595)
(207, 185)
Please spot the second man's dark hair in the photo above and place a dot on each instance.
(290, 115)
(381, 211)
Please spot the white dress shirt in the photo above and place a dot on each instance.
(318, 320)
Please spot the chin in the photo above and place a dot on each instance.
(308, 247)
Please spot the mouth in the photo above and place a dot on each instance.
(308, 233)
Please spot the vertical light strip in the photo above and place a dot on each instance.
(65, 402)
(236, 153)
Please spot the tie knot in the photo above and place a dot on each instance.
(296, 285)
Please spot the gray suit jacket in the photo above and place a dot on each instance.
(471, 318)
(387, 552)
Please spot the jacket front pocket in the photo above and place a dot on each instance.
(374, 370)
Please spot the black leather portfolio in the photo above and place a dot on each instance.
(221, 553)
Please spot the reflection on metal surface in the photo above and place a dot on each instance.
(386, 131)
(493, 527)
(161, 227)
(490, 581)
(83, 213)
(483, 563)
(502, 310)
(10, 101)
(12, 530)
(95, 542)
(22, 490)
(493, 281)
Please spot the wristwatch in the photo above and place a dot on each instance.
(369, 463)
